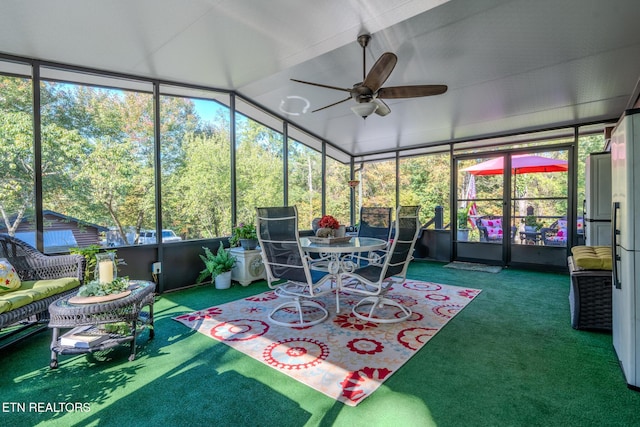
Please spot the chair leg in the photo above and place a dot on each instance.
(379, 303)
(296, 305)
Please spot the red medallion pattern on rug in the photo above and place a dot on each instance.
(343, 357)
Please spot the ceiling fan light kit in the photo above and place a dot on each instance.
(365, 109)
(369, 93)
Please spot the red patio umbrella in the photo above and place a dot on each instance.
(520, 163)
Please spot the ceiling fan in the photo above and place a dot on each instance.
(369, 93)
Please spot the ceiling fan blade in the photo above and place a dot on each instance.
(321, 85)
(331, 105)
(380, 71)
(383, 109)
(411, 91)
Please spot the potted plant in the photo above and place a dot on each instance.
(531, 223)
(328, 226)
(218, 266)
(463, 224)
(245, 236)
(90, 255)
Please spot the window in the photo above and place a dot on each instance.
(97, 160)
(195, 150)
(17, 175)
(378, 181)
(259, 167)
(424, 182)
(305, 182)
(338, 199)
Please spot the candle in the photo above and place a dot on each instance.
(105, 271)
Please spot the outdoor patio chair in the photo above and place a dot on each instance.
(556, 234)
(287, 269)
(375, 221)
(375, 281)
(492, 230)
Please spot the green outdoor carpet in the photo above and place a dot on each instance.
(510, 358)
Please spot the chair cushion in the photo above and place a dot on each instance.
(9, 280)
(562, 223)
(592, 257)
(560, 236)
(35, 290)
(494, 232)
(495, 222)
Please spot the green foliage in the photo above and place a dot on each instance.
(221, 262)
(95, 288)
(463, 218)
(89, 254)
(532, 221)
(243, 231)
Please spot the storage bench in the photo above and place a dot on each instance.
(590, 291)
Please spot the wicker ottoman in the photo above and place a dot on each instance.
(590, 298)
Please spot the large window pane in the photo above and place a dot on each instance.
(259, 167)
(98, 165)
(338, 200)
(196, 167)
(305, 182)
(378, 184)
(17, 152)
(424, 181)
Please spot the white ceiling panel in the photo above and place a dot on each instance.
(510, 65)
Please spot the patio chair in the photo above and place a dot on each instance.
(375, 221)
(287, 268)
(375, 281)
(556, 233)
(491, 229)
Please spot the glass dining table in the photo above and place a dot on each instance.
(335, 257)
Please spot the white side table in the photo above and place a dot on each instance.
(249, 267)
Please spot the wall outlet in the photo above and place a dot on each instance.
(156, 268)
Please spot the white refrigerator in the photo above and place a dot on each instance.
(625, 186)
(597, 203)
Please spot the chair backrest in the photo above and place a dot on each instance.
(282, 255)
(20, 254)
(404, 240)
(375, 221)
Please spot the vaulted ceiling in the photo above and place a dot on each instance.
(510, 65)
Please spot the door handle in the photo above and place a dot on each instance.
(614, 234)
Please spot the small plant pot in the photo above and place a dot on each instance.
(223, 280)
(463, 235)
(248, 244)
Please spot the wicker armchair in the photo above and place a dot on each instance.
(32, 265)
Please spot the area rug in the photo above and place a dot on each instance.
(471, 266)
(343, 357)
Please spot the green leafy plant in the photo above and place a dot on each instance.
(532, 221)
(243, 231)
(463, 219)
(89, 254)
(221, 262)
(95, 288)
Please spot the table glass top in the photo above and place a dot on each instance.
(356, 244)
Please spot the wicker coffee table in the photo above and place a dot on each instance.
(128, 309)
